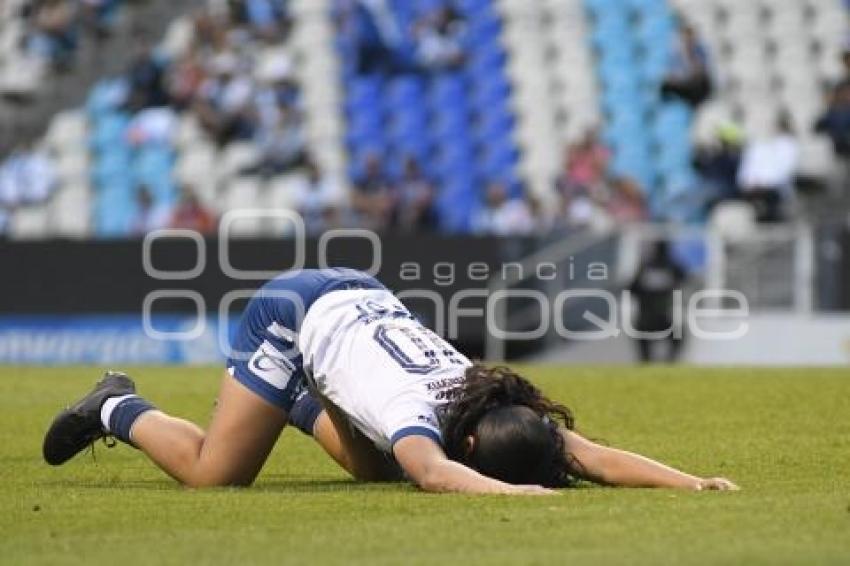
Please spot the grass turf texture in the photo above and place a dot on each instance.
(783, 435)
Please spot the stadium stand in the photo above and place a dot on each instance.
(649, 136)
(456, 120)
(127, 141)
(487, 93)
(555, 108)
(772, 55)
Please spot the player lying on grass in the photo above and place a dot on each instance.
(336, 354)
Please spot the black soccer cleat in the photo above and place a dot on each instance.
(79, 425)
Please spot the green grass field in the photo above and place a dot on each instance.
(783, 435)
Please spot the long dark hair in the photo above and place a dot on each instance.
(514, 429)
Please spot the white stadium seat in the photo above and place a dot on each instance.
(67, 131)
(69, 212)
(21, 75)
(555, 98)
(29, 223)
(733, 220)
(235, 157)
(72, 166)
(801, 70)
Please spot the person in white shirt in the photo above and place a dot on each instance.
(768, 170)
(439, 40)
(316, 198)
(503, 216)
(395, 400)
(28, 176)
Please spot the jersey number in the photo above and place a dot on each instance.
(416, 350)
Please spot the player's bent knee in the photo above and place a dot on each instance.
(201, 481)
(205, 474)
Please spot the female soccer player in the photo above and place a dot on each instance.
(338, 355)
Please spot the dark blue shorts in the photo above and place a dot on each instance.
(264, 355)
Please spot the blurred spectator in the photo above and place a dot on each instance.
(190, 214)
(28, 176)
(583, 210)
(380, 41)
(688, 75)
(439, 38)
(282, 145)
(53, 29)
(276, 86)
(100, 15)
(152, 126)
(544, 218)
(835, 123)
(269, 19)
(53, 34)
(372, 198)
(146, 76)
(585, 165)
(317, 197)
(719, 164)
(627, 203)
(768, 171)
(224, 101)
(581, 184)
(184, 79)
(502, 215)
(415, 196)
(653, 290)
(150, 215)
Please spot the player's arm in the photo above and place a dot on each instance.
(425, 463)
(611, 466)
(349, 447)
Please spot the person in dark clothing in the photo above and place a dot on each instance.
(688, 77)
(373, 196)
(414, 200)
(835, 124)
(653, 288)
(718, 164)
(380, 42)
(835, 121)
(146, 75)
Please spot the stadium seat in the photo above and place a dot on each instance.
(733, 220)
(235, 157)
(429, 117)
(73, 165)
(243, 195)
(29, 223)
(68, 131)
(69, 212)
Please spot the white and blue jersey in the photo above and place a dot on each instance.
(357, 343)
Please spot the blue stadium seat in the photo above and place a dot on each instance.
(152, 165)
(106, 96)
(110, 165)
(430, 115)
(109, 130)
(456, 205)
(474, 7)
(650, 137)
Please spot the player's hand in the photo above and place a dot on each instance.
(531, 490)
(716, 484)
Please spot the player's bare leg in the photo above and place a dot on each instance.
(241, 434)
(348, 447)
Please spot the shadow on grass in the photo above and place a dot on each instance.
(280, 484)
